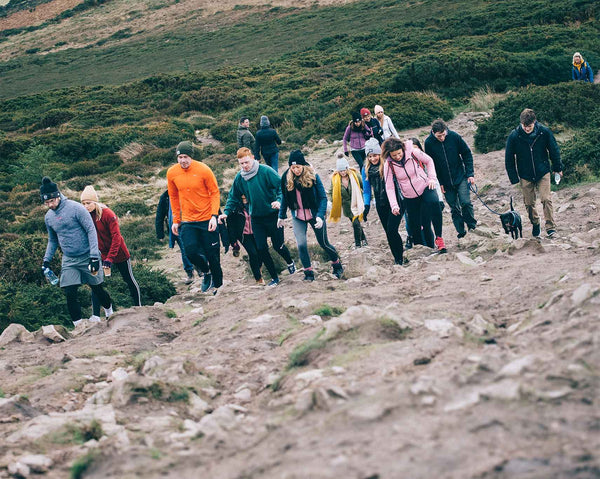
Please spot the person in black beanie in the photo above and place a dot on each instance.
(70, 226)
(304, 195)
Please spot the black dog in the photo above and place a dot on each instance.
(511, 222)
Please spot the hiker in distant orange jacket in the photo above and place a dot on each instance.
(195, 201)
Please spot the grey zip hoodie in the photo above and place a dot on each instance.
(70, 226)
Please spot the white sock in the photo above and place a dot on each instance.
(108, 311)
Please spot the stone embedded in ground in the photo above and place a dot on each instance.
(595, 268)
(443, 327)
(371, 411)
(119, 374)
(55, 333)
(37, 463)
(465, 401)
(19, 470)
(582, 293)
(508, 390)
(518, 366)
(312, 319)
(464, 258)
(479, 326)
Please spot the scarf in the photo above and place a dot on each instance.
(248, 175)
(357, 204)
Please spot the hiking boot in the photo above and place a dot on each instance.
(536, 231)
(462, 234)
(190, 277)
(213, 291)
(364, 242)
(409, 243)
(260, 282)
(309, 275)
(291, 267)
(402, 262)
(551, 233)
(274, 282)
(207, 282)
(94, 319)
(439, 245)
(235, 249)
(338, 270)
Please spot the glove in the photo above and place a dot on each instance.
(280, 223)
(94, 265)
(366, 212)
(107, 264)
(46, 264)
(319, 223)
(346, 153)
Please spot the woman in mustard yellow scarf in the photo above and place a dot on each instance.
(347, 197)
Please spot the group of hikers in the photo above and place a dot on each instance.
(399, 177)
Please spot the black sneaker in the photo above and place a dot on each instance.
(309, 275)
(190, 277)
(291, 267)
(536, 231)
(409, 243)
(551, 233)
(338, 270)
(461, 234)
(207, 282)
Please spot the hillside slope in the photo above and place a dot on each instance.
(480, 363)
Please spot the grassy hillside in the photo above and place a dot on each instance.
(110, 112)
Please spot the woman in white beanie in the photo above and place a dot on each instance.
(112, 246)
(386, 123)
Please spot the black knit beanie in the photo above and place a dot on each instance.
(48, 190)
(297, 158)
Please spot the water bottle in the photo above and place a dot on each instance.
(50, 276)
(557, 178)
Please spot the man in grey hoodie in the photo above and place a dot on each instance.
(70, 226)
(245, 139)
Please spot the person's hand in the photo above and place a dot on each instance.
(175, 229)
(46, 264)
(94, 265)
(471, 180)
(275, 205)
(318, 223)
(222, 218)
(280, 223)
(212, 224)
(442, 188)
(432, 184)
(107, 264)
(395, 210)
(346, 153)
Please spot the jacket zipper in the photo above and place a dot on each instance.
(531, 151)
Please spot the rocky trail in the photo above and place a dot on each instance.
(479, 363)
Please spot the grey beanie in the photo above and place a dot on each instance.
(264, 121)
(372, 146)
(342, 164)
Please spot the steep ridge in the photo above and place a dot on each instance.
(482, 362)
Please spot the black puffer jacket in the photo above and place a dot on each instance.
(452, 157)
(266, 143)
(528, 156)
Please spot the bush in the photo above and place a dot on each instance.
(134, 208)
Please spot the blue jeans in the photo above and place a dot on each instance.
(300, 229)
(272, 160)
(458, 198)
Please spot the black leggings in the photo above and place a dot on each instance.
(391, 223)
(202, 249)
(127, 275)
(73, 303)
(359, 156)
(423, 210)
(249, 244)
(265, 227)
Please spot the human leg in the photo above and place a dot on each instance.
(102, 294)
(431, 205)
(277, 239)
(529, 196)
(359, 156)
(321, 235)
(546, 199)
(127, 275)
(394, 238)
(187, 264)
(249, 245)
(210, 245)
(190, 235)
(451, 196)
(72, 302)
(259, 228)
(300, 227)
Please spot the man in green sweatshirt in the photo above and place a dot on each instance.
(261, 186)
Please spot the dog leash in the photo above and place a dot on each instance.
(474, 189)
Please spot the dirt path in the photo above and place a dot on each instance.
(480, 363)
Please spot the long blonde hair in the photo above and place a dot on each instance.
(306, 179)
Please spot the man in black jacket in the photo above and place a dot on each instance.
(454, 168)
(529, 149)
(267, 140)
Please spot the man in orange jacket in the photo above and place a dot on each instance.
(195, 201)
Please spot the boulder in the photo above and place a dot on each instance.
(55, 333)
(37, 463)
(15, 333)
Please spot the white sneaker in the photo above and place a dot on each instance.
(79, 321)
(94, 319)
(108, 312)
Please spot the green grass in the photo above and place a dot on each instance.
(82, 464)
(326, 311)
(301, 355)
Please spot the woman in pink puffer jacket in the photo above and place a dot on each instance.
(409, 186)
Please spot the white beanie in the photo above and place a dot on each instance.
(378, 108)
(342, 164)
(372, 146)
(89, 193)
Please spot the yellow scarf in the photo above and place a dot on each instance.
(336, 196)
